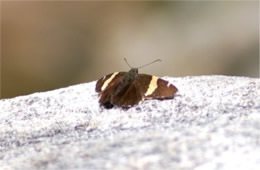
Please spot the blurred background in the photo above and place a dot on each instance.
(49, 45)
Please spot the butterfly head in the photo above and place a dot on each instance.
(130, 76)
(133, 72)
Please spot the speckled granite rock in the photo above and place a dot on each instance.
(212, 123)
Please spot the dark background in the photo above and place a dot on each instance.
(49, 45)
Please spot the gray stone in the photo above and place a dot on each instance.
(213, 123)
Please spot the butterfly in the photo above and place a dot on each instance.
(126, 89)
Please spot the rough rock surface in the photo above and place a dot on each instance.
(212, 123)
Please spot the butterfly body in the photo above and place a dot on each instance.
(126, 89)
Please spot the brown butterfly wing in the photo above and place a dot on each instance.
(156, 88)
(106, 87)
(106, 81)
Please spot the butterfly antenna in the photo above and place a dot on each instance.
(142, 65)
(127, 63)
(150, 63)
